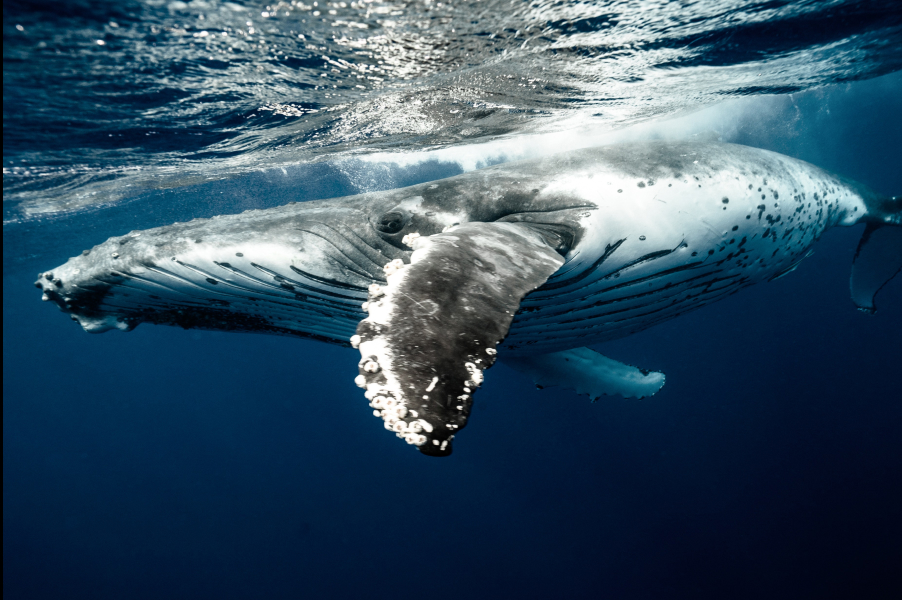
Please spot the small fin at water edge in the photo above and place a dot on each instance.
(588, 372)
(877, 260)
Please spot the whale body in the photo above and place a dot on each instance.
(529, 262)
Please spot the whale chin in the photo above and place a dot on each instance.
(282, 272)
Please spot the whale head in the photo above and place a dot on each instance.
(302, 269)
(295, 270)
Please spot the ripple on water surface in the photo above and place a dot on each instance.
(104, 98)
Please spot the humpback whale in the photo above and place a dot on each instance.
(527, 262)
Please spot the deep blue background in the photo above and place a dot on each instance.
(176, 464)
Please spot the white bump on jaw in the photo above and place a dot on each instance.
(360, 381)
(365, 306)
(409, 239)
(415, 439)
(491, 351)
(475, 374)
(393, 267)
(376, 290)
(355, 341)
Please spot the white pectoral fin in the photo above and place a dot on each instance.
(588, 372)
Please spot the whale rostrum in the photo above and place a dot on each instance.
(526, 262)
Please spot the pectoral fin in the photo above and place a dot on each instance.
(588, 372)
(432, 330)
(877, 260)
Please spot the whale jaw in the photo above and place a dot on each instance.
(224, 274)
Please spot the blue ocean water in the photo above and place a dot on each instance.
(185, 464)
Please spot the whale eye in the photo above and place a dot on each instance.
(562, 241)
(391, 222)
(558, 236)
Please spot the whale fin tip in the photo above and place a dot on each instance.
(877, 260)
(588, 372)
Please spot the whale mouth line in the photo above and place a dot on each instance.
(350, 263)
(202, 292)
(287, 284)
